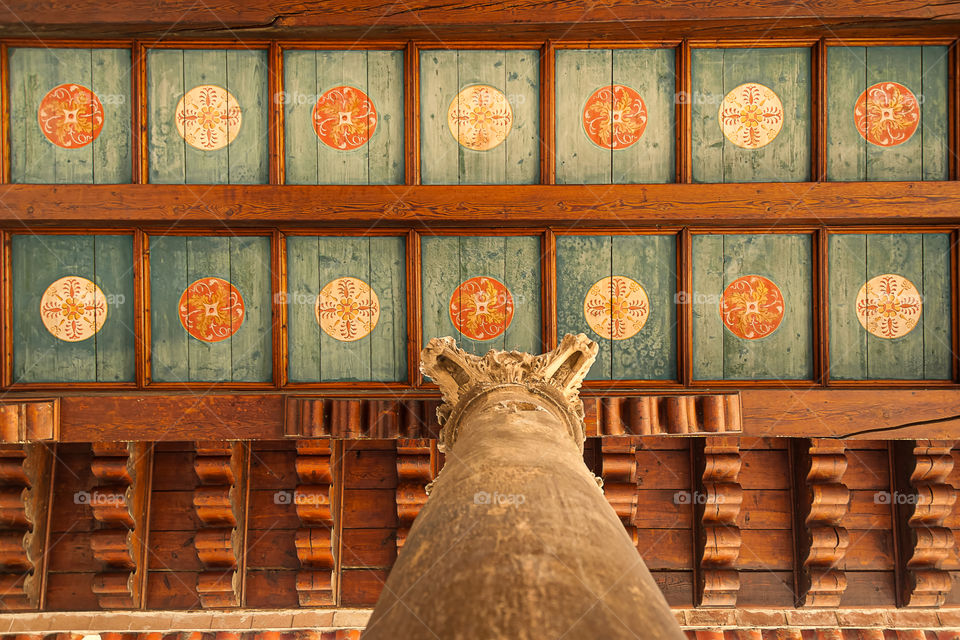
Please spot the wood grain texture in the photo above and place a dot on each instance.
(717, 502)
(619, 474)
(822, 538)
(316, 541)
(515, 205)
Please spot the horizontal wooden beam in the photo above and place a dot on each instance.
(809, 413)
(292, 13)
(832, 203)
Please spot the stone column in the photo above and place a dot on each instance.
(516, 540)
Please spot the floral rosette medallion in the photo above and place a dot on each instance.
(211, 309)
(616, 307)
(208, 117)
(480, 117)
(889, 306)
(70, 116)
(344, 118)
(752, 307)
(614, 117)
(73, 309)
(887, 114)
(481, 308)
(751, 115)
(347, 309)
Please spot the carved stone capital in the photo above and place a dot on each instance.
(463, 378)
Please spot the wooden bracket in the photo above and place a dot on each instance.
(923, 500)
(619, 473)
(717, 507)
(25, 475)
(219, 505)
(416, 467)
(823, 501)
(316, 538)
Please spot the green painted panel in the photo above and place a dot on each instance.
(169, 342)
(344, 257)
(846, 80)
(303, 287)
(787, 157)
(651, 354)
(936, 288)
(37, 262)
(388, 340)
(300, 141)
(175, 263)
(513, 261)
(170, 74)
(251, 346)
(34, 158)
(443, 75)
(652, 72)
(582, 261)
(335, 69)
(924, 352)
(707, 288)
(923, 70)
(847, 263)
(386, 147)
(933, 113)
(785, 353)
(439, 84)
(579, 73)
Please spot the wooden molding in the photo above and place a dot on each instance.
(219, 504)
(316, 539)
(668, 414)
(619, 473)
(29, 420)
(717, 501)
(122, 471)
(823, 501)
(416, 468)
(347, 418)
(25, 477)
(924, 499)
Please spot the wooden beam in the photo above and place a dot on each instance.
(805, 203)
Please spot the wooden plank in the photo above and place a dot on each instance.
(901, 357)
(663, 469)
(369, 548)
(579, 72)
(385, 150)
(521, 275)
(903, 161)
(208, 257)
(765, 509)
(272, 589)
(264, 514)
(665, 548)
(303, 287)
(869, 551)
(652, 73)
(208, 166)
(847, 256)
(344, 257)
(439, 84)
(70, 165)
(933, 113)
(846, 80)
(937, 325)
(677, 587)
(370, 469)
(483, 67)
(113, 273)
(765, 589)
(707, 77)
(112, 153)
(764, 470)
(825, 203)
(787, 352)
(168, 590)
(708, 285)
(522, 87)
(273, 469)
(173, 551)
(388, 340)
(867, 470)
(485, 256)
(652, 353)
(786, 71)
(165, 88)
(337, 69)
(70, 592)
(26, 88)
(251, 346)
(247, 80)
(361, 587)
(369, 508)
(300, 142)
(583, 261)
(37, 262)
(766, 549)
(663, 509)
(169, 341)
(869, 589)
(439, 282)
